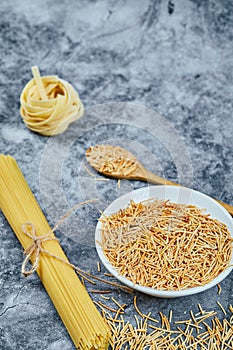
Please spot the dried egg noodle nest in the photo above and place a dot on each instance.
(166, 246)
(52, 116)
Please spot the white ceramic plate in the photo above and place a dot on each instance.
(177, 195)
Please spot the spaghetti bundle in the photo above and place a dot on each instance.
(49, 104)
(80, 316)
(166, 246)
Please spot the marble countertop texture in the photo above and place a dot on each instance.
(170, 72)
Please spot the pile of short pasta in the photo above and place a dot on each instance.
(199, 330)
(166, 246)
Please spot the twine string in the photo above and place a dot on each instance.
(35, 249)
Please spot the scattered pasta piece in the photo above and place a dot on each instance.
(222, 308)
(93, 175)
(101, 179)
(49, 104)
(170, 316)
(88, 170)
(219, 289)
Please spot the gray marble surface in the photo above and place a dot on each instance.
(138, 54)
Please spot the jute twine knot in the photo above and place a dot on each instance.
(35, 248)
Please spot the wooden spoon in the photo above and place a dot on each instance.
(117, 162)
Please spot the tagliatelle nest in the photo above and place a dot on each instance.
(166, 246)
(49, 104)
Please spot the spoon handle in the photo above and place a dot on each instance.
(155, 179)
(228, 207)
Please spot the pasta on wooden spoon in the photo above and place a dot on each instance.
(117, 162)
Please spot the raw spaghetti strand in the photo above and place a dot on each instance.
(49, 104)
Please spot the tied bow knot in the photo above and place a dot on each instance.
(35, 248)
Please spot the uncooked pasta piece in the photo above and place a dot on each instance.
(222, 308)
(49, 104)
